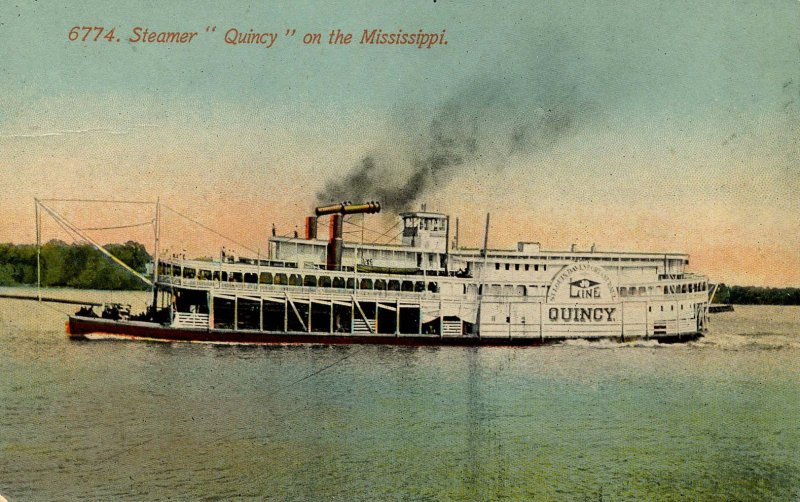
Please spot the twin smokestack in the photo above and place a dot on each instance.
(337, 213)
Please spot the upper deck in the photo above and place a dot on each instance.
(427, 262)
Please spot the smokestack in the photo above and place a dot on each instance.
(337, 212)
(335, 243)
(349, 208)
(311, 228)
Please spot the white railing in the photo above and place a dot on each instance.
(652, 289)
(190, 320)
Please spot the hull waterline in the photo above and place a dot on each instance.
(84, 327)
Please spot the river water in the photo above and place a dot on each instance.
(716, 419)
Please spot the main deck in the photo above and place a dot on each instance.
(282, 298)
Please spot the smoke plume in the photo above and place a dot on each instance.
(479, 127)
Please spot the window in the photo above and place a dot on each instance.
(497, 266)
(527, 267)
(508, 266)
(536, 268)
(516, 267)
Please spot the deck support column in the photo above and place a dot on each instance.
(541, 321)
(210, 308)
(441, 319)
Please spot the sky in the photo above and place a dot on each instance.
(640, 126)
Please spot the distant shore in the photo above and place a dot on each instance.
(755, 295)
(78, 266)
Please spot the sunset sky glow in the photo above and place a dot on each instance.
(642, 126)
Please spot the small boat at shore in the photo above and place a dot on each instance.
(426, 290)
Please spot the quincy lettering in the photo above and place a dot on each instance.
(581, 314)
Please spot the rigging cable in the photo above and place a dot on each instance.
(134, 225)
(103, 201)
(96, 245)
(210, 229)
(362, 227)
(398, 234)
(386, 232)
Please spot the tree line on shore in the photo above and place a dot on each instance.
(753, 295)
(84, 267)
(73, 265)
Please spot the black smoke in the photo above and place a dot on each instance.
(481, 126)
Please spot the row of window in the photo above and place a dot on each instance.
(672, 261)
(695, 307)
(311, 281)
(433, 224)
(671, 289)
(398, 285)
(516, 267)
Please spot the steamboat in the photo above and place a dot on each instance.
(426, 290)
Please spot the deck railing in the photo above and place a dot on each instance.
(190, 320)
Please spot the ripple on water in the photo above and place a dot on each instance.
(711, 419)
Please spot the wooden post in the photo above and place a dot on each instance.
(482, 286)
(38, 252)
(156, 251)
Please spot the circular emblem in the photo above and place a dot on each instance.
(582, 283)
